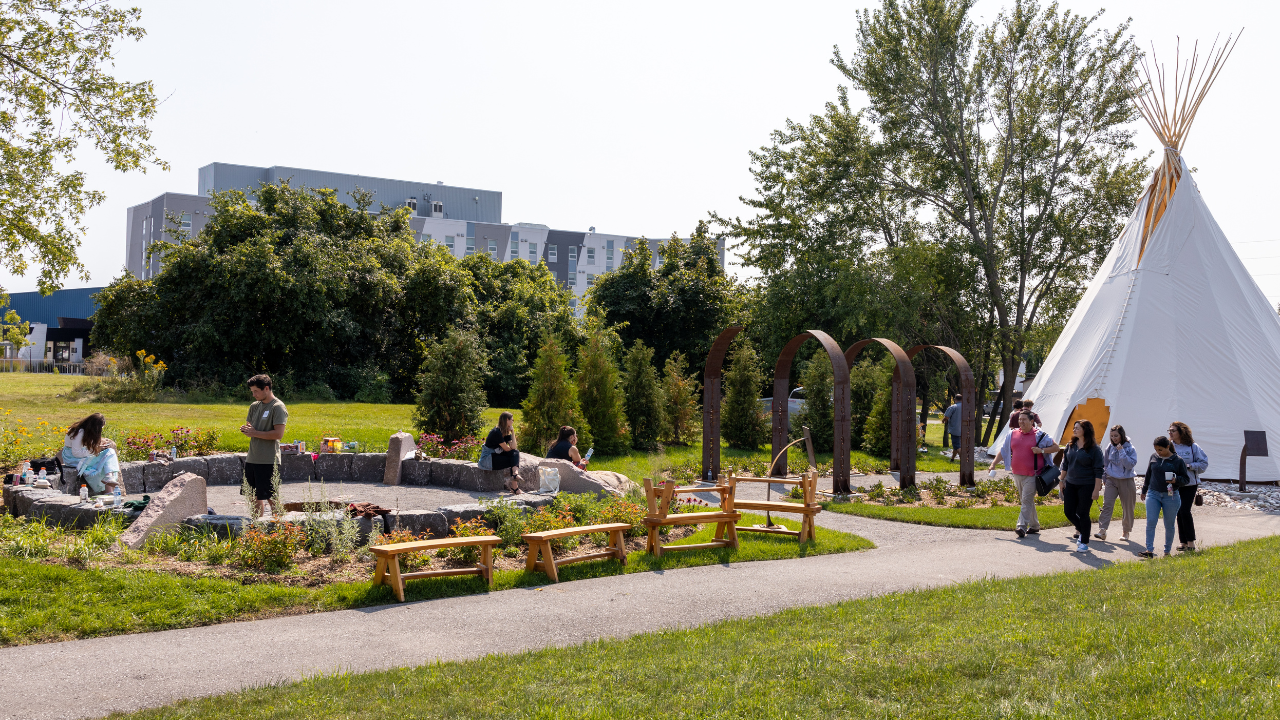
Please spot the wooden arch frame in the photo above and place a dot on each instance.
(967, 409)
(711, 376)
(902, 412)
(840, 388)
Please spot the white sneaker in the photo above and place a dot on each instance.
(1081, 547)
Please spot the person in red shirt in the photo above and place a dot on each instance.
(1030, 450)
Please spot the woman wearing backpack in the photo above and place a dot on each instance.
(1197, 462)
(1082, 469)
(1166, 473)
(1118, 461)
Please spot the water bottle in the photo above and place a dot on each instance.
(84, 494)
(42, 473)
(119, 501)
(173, 452)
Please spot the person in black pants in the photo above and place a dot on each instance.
(1197, 462)
(1082, 482)
(504, 452)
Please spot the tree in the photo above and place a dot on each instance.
(818, 412)
(866, 377)
(680, 401)
(877, 435)
(600, 391)
(452, 401)
(1015, 134)
(57, 91)
(12, 329)
(743, 424)
(552, 401)
(643, 397)
(682, 304)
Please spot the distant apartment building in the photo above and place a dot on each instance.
(464, 220)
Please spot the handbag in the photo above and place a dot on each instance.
(1047, 476)
(486, 457)
(1199, 500)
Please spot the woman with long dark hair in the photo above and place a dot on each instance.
(1185, 447)
(500, 451)
(93, 456)
(1166, 473)
(1118, 461)
(566, 447)
(1082, 480)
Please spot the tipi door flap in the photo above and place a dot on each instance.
(1096, 411)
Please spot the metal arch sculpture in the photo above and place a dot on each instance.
(902, 454)
(968, 415)
(711, 376)
(840, 387)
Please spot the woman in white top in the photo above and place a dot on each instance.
(92, 456)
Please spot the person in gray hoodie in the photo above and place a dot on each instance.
(1118, 461)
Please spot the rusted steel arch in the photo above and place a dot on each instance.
(711, 376)
(840, 387)
(968, 416)
(902, 454)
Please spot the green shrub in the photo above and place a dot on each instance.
(105, 531)
(743, 424)
(506, 517)
(270, 548)
(818, 412)
(471, 528)
(680, 401)
(938, 489)
(31, 539)
(545, 518)
(643, 397)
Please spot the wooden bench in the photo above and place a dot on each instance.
(541, 541)
(660, 500)
(389, 560)
(807, 508)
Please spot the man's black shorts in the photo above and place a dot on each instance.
(259, 477)
(955, 443)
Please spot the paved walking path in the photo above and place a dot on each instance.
(90, 678)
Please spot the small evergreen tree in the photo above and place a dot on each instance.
(552, 401)
(643, 397)
(877, 435)
(819, 409)
(680, 400)
(743, 424)
(452, 400)
(600, 392)
(865, 378)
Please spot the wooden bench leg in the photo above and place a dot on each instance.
(654, 548)
(532, 563)
(486, 558)
(380, 572)
(549, 563)
(397, 584)
(720, 530)
(733, 535)
(620, 546)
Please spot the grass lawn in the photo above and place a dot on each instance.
(1004, 517)
(33, 397)
(1186, 637)
(47, 603)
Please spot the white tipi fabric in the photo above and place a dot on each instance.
(1184, 335)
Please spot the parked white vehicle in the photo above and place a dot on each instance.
(795, 403)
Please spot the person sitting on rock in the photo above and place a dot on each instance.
(92, 456)
(566, 448)
(500, 451)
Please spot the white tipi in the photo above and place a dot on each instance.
(1172, 327)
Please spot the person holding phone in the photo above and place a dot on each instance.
(566, 448)
(1166, 473)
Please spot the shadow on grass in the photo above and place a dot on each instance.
(1004, 517)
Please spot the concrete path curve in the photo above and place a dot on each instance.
(153, 669)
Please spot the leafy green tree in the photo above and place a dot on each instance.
(452, 401)
(866, 377)
(643, 397)
(877, 435)
(680, 305)
(743, 424)
(818, 412)
(680, 400)
(12, 329)
(600, 392)
(552, 401)
(516, 303)
(57, 91)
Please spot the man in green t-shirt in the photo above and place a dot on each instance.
(265, 428)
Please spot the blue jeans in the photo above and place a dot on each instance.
(1169, 503)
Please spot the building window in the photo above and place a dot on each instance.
(608, 256)
(591, 256)
(515, 250)
(185, 222)
(551, 252)
(493, 249)
(573, 278)
(573, 302)
(555, 275)
(533, 253)
(426, 237)
(573, 253)
(591, 279)
(471, 246)
(448, 242)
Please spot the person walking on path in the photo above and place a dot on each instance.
(952, 418)
(1197, 462)
(1027, 451)
(1118, 462)
(1166, 473)
(1003, 456)
(265, 428)
(500, 452)
(1082, 480)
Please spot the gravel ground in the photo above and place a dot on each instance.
(228, 500)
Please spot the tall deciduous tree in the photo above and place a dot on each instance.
(552, 401)
(600, 391)
(743, 424)
(1015, 134)
(56, 91)
(643, 397)
(680, 401)
(452, 400)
